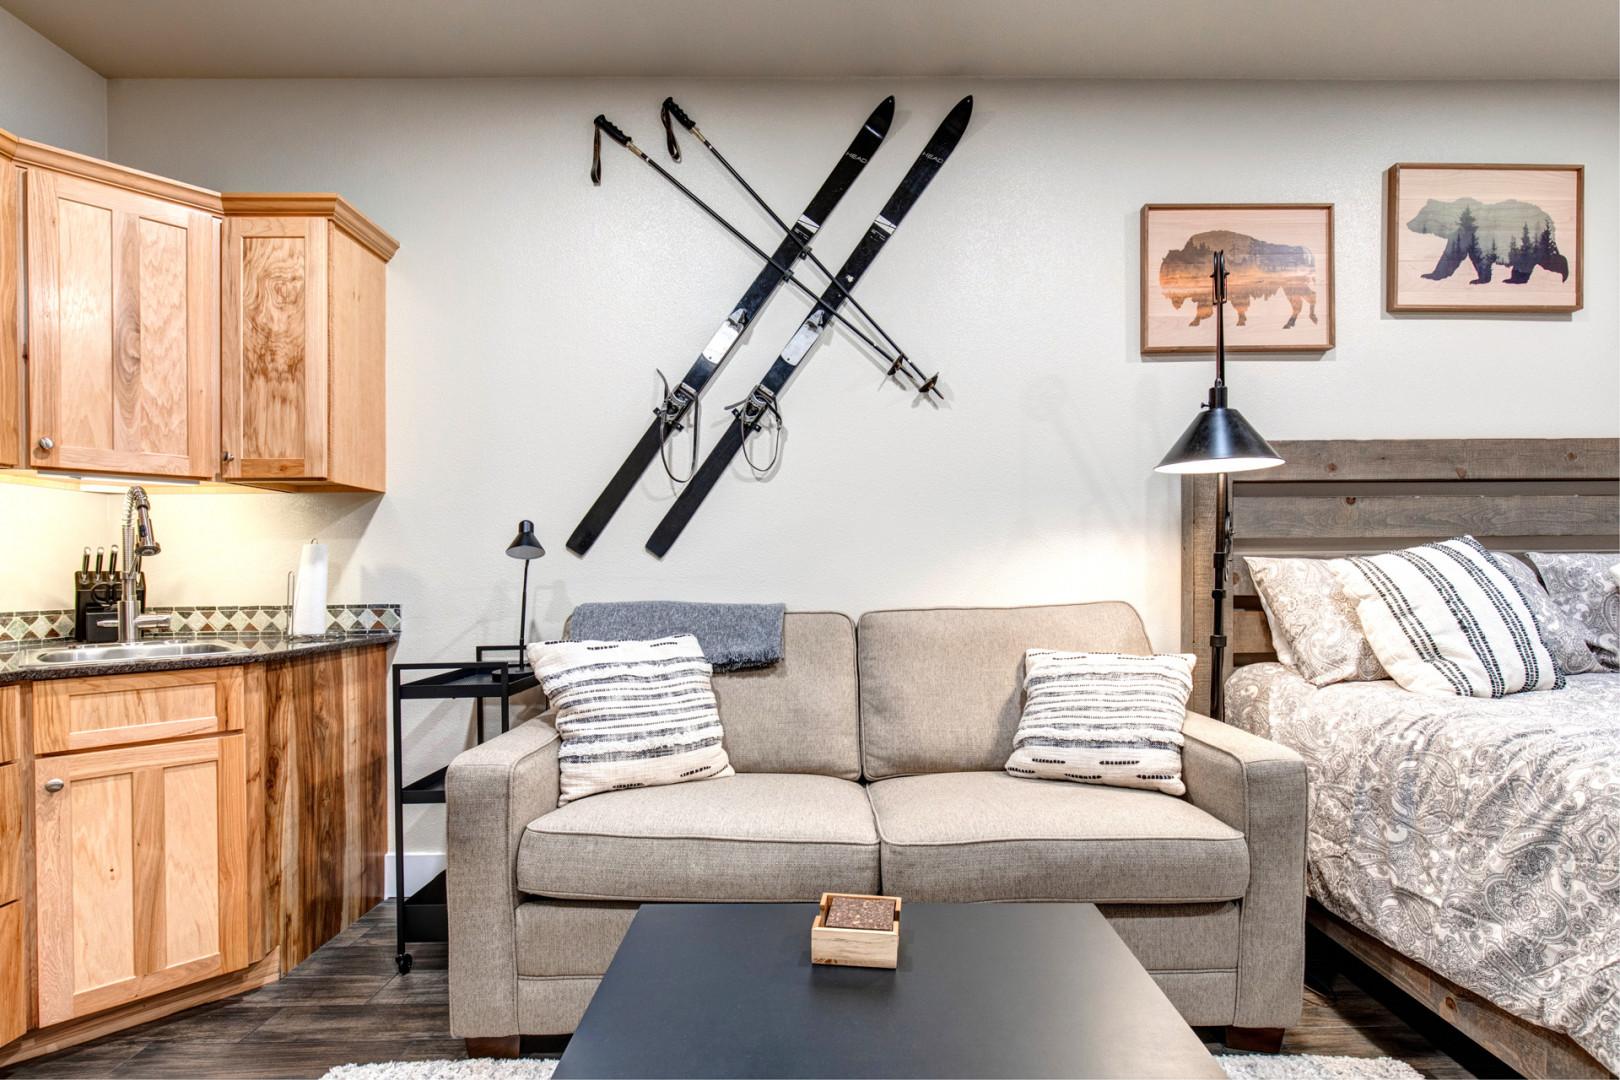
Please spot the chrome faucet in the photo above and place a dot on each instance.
(139, 541)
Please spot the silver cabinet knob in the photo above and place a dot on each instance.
(227, 457)
(47, 443)
(54, 785)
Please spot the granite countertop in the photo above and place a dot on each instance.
(259, 647)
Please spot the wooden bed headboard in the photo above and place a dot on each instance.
(1342, 496)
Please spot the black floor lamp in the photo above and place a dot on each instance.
(525, 546)
(1219, 441)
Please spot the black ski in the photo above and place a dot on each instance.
(668, 415)
(762, 399)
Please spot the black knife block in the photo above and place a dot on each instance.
(95, 597)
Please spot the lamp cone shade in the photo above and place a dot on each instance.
(1219, 440)
(525, 545)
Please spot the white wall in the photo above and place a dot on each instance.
(47, 95)
(527, 311)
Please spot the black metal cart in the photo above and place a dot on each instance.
(421, 916)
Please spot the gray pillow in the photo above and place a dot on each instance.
(1583, 589)
(1564, 637)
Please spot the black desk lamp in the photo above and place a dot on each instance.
(1219, 441)
(525, 546)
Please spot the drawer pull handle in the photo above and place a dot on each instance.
(54, 785)
(46, 443)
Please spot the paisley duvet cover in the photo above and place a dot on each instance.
(1479, 837)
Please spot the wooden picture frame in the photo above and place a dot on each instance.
(1420, 198)
(1292, 307)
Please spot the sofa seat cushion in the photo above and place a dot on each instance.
(749, 837)
(962, 837)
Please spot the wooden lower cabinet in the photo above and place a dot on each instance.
(140, 872)
(172, 838)
(328, 799)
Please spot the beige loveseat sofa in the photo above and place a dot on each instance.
(870, 761)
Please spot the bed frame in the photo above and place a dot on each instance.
(1338, 497)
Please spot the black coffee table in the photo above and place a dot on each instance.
(991, 990)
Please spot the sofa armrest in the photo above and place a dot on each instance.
(1258, 787)
(492, 792)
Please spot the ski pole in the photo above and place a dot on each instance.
(617, 134)
(901, 362)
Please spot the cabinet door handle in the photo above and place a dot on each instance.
(54, 785)
(227, 457)
(46, 443)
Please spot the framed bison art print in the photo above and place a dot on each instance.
(1467, 238)
(1279, 276)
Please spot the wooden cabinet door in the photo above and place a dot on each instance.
(13, 974)
(11, 249)
(273, 348)
(123, 339)
(140, 883)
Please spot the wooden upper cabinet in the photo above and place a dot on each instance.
(302, 344)
(123, 332)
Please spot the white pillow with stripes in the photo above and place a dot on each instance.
(1103, 718)
(1444, 619)
(631, 713)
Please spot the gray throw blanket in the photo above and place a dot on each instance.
(732, 636)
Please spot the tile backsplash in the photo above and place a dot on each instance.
(257, 619)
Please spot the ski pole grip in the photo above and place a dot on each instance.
(611, 130)
(679, 114)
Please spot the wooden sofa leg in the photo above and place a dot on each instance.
(1259, 1040)
(498, 1046)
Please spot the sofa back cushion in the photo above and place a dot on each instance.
(942, 688)
(801, 715)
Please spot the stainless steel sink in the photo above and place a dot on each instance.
(129, 654)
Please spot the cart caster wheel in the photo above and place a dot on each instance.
(403, 963)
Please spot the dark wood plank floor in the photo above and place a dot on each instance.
(346, 1004)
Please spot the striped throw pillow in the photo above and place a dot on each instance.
(631, 713)
(1103, 718)
(1444, 619)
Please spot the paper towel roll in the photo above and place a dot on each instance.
(309, 592)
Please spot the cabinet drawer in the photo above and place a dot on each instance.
(117, 710)
(11, 837)
(13, 975)
(10, 722)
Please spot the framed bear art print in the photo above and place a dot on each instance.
(1484, 238)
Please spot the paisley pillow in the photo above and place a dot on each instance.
(1584, 590)
(1565, 636)
(1313, 621)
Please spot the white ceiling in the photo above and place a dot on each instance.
(1286, 39)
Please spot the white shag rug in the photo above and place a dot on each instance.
(1314, 1066)
(470, 1069)
(1237, 1066)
